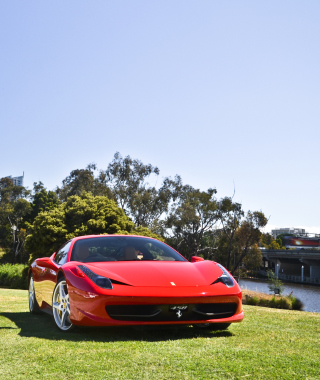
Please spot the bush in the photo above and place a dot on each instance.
(275, 285)
(296, 304)
(280, 303)
(264, 302)
(13, 276)
(288, 302)
(252, 300)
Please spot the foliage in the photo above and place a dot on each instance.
(4, 255)
(269, 242)
(274, 245)
(13, 276)
(275, 285)
(191, 220)
(142, 231)
(280, 240)
(254, 301)
(84, 180)
(253, 258)
(296, 304)
(145, 204)
(230, 214)
(266, 239)
(194, 213)
(239, 236)
(13, 208)
(127, 177)
(42, 200)
(267, 344)
(148, 205)
(288, 302)
(249, 235)
(85, 215)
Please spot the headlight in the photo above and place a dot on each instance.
(225, 278)
(101, 281)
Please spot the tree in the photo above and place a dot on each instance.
(281, 241)
(43, 200)
(230, 214)
(193, 213)
(249, 234)
(253, 259)
(274, 245)
(268, 241)
(145, 204)
(81, 180)
(238, 241)
(13, 208)
(78, 215)
(275, 285)
(127, 176)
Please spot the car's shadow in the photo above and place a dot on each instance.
(42, 326)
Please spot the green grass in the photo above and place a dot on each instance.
(268, 344)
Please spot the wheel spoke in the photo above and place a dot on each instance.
(63, 318)
(62, 292)
(31, 301)
(68, 304)
(31, 295)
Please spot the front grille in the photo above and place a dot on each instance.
(158, 313)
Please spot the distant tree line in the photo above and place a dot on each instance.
(120, 199)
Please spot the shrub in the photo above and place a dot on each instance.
(252, 300)
(285, 302)
(279, 303)
(282, 303)
(13, 276)
(296, 304)
(275, 285)
(264, 302)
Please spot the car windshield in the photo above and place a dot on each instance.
(122, 248)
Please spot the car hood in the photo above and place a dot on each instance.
(159, 273)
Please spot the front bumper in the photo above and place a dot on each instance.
(91, 309)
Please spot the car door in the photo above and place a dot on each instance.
(49, 270)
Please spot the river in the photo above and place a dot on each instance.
(309, 295)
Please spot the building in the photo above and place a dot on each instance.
(288, 231)
(17, 181)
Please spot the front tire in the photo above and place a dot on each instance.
(61, 305)
(212, 326)
(33, 304)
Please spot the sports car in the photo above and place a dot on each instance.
(113, 280)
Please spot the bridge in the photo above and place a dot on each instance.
(296, 265)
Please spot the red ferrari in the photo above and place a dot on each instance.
(108, 280)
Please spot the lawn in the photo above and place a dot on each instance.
(268, 344)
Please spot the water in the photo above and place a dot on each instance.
(309, 295)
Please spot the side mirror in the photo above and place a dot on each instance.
(43, 260)
(195, 259)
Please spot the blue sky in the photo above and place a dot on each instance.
(220, 92)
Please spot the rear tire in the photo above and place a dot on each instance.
(212, 326)
(33, 304)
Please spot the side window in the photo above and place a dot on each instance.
(61, 256)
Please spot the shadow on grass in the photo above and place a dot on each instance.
(42, 326)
